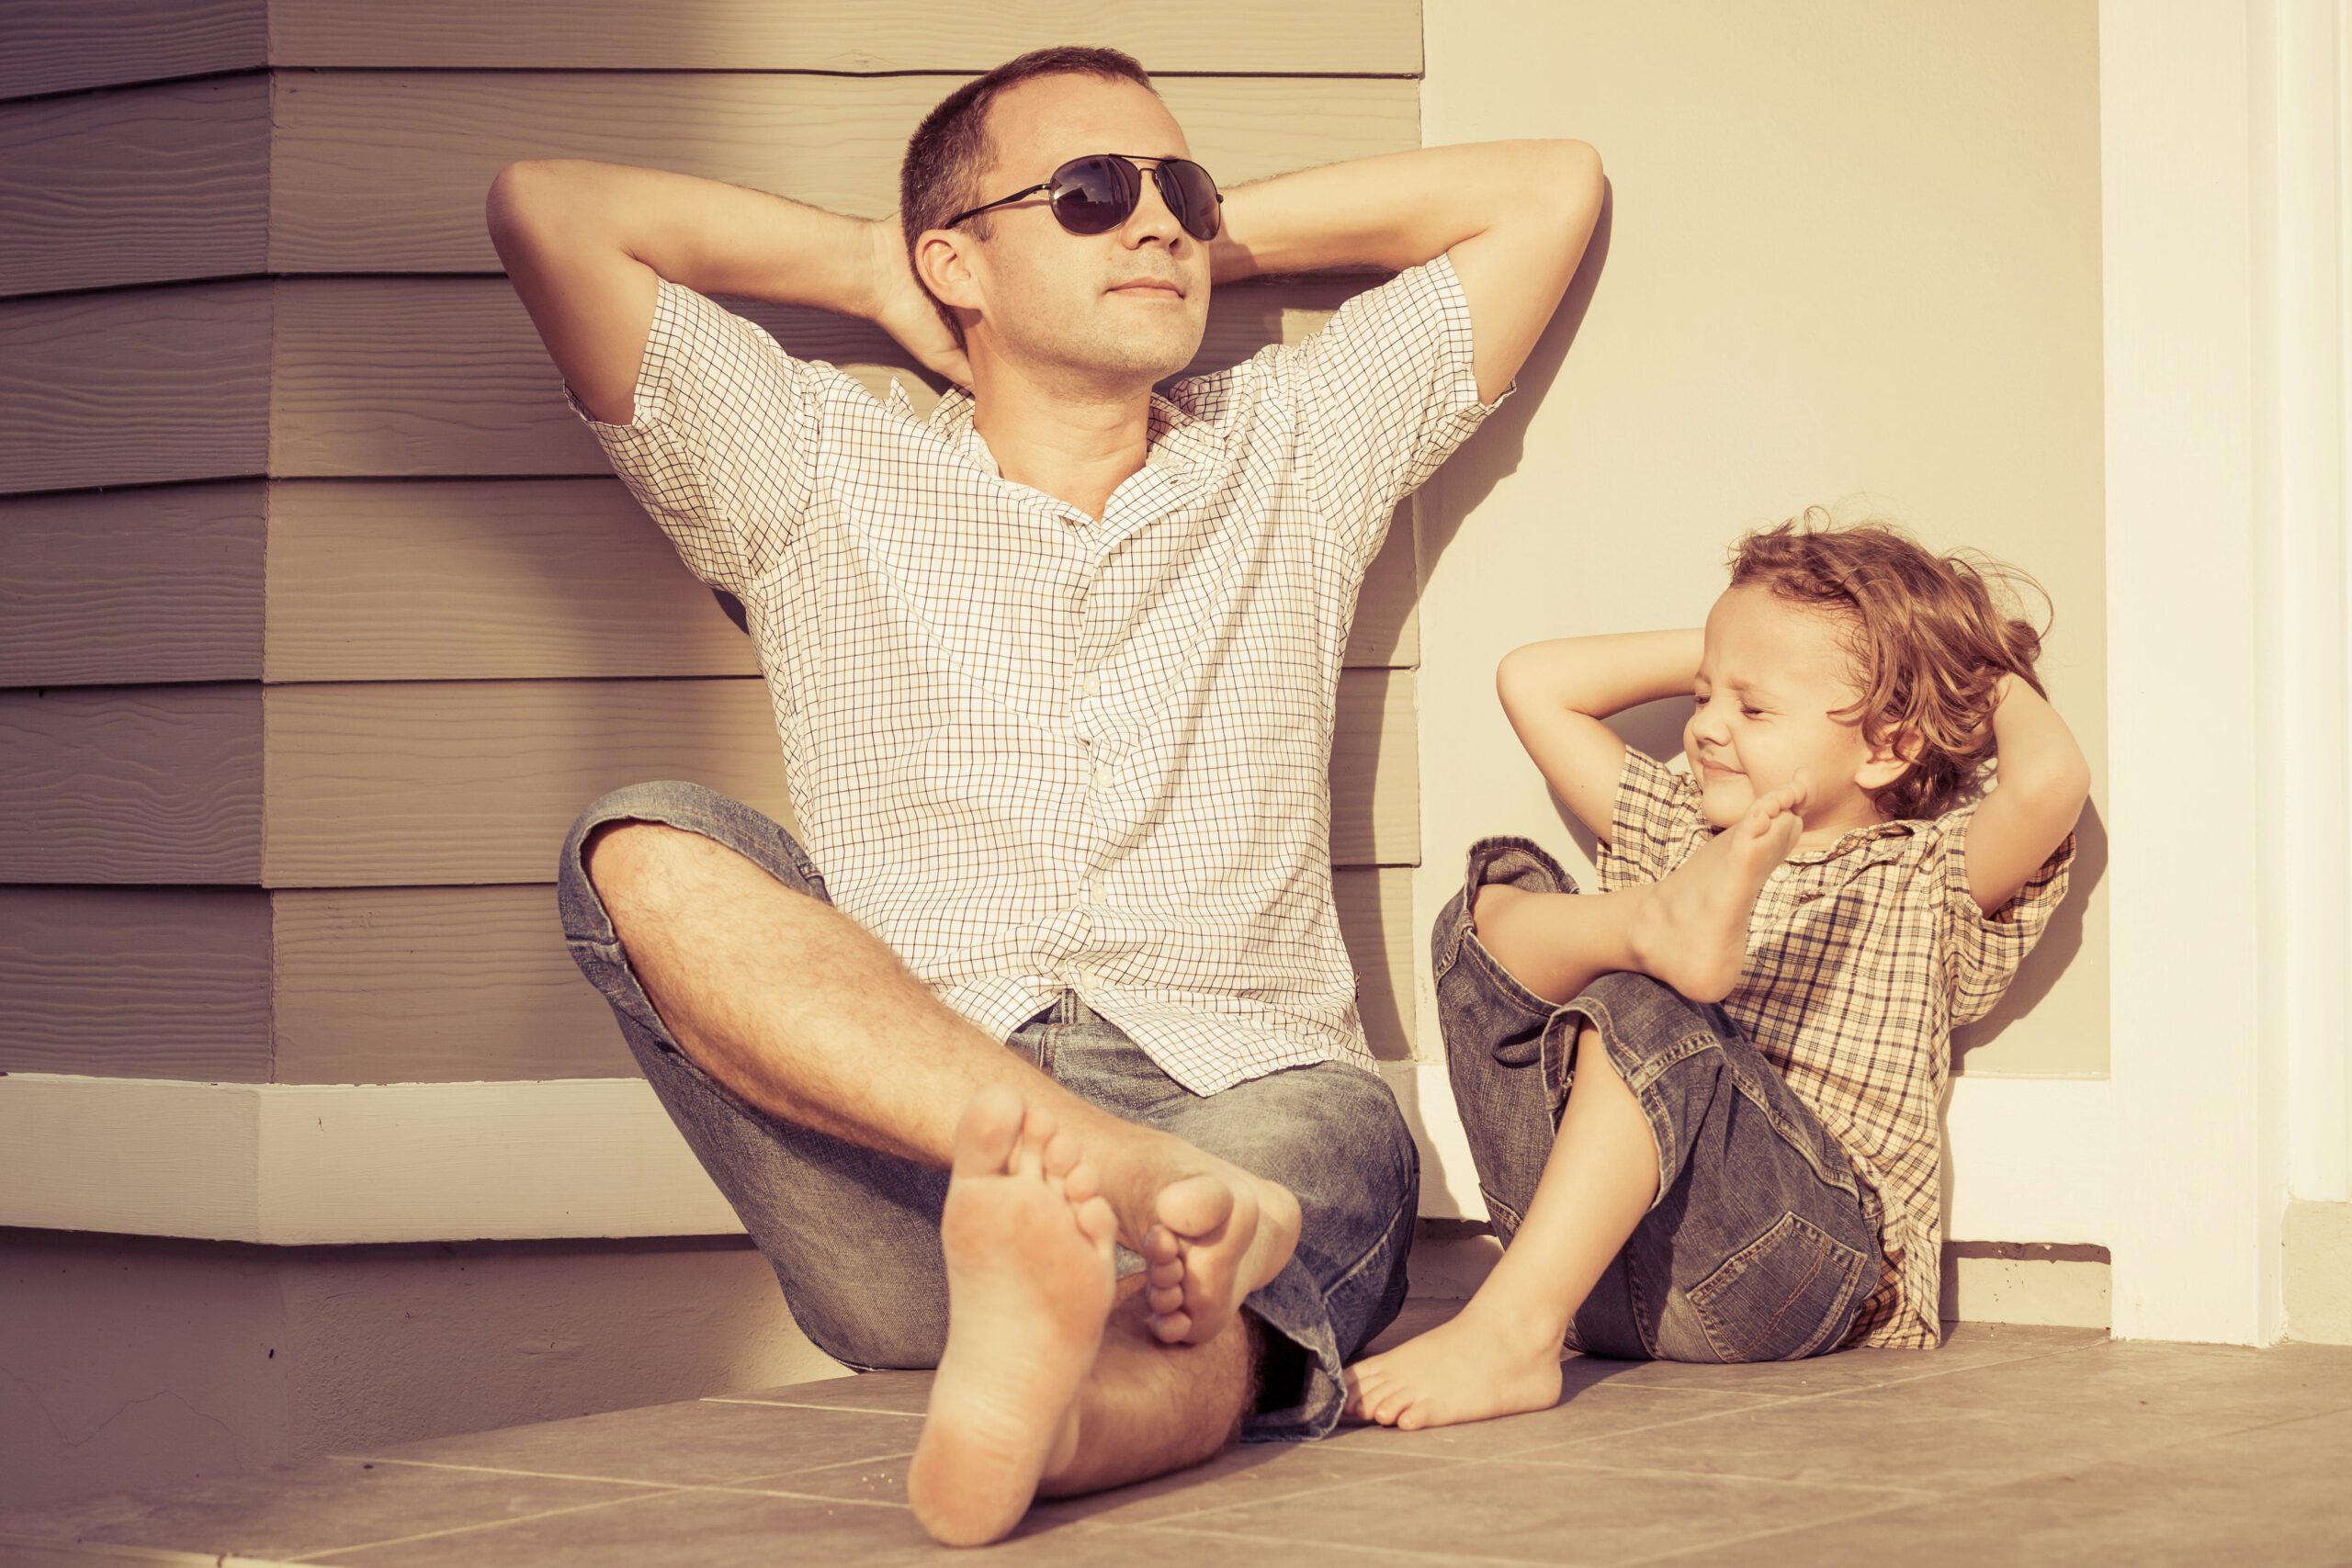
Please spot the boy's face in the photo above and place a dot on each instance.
(1771, 676)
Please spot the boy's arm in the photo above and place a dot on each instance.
(583, 244)
(1515, 215)
(2041, 784)
(1557, 693)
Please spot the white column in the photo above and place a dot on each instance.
(2198, 719)
(2300, 167)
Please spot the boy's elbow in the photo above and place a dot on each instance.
(1511, 674)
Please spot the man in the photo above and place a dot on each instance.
(1054, 670)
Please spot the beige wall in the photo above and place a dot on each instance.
(1851, 254)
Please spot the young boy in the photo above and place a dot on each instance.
(1757, 1179)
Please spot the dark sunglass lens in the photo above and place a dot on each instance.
(1192, 195)
(1093, 196)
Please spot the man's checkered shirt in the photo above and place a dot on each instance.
(1032, 750)
(1860, 958)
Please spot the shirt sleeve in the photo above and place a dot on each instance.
(1652, 824)
(1980, 952)
(724, 428)
(1382, 394)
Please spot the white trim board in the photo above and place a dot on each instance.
(338, 1163)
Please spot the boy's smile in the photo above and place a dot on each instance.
(1772, 676)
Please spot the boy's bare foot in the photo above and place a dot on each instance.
(1476, 1365)
(1214, 1234)
(1692, 928)
(1028, 1238)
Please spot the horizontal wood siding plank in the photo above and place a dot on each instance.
(1216, 36)
(136, 982)
(153, 584)
(134, 386)
(57, 46)
(1375, 771)
(441, 377)
(142, 186)
(1376, 918)
(398, 376)
(533, 579)
(406, 984)
(416, 984)
(54, 46)
(381, 171)
(393, 785)
(466, 782)
(127, 783)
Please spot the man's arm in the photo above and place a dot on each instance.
(1556, 693)
(1516, 216)
(583, 243)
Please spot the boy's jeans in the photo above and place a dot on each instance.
(1761, 1245)
(853, 1234)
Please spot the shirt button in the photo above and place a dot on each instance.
(1101, 778)
(1088, 684)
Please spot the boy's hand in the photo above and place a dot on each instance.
(902, 307)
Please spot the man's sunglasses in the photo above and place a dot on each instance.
(1093, 195)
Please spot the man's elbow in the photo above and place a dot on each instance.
(1576, 180)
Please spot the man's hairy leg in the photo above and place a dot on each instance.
(805, 1015)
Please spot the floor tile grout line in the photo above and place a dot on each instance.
(797, 1404)
(1261, 1542)
(1913, 1493)
(742, 1491)
(1315, 1491)
(324, 1552)
(163, 1556)
(511, 1470)
(1675, 1552)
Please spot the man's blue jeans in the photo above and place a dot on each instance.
(853, 1233)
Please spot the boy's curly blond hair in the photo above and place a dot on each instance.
(1929, 636)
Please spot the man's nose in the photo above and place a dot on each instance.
(1153, 219)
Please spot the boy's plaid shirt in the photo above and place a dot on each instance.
(1860, 958)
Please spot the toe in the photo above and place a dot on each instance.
(986, 1135)
(1061, 1155)
(1099, 1224)
(1195, 1208)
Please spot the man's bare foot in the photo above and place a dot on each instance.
(1215, 1233)
(1029, 1238)
(1476, 1365)
(1692, 928)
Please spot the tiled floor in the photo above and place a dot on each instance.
(2009, 1445)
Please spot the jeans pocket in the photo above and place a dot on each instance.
(1781, 1296)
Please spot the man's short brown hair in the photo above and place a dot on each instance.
(951, 149)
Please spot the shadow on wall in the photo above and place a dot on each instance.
(1502, 440)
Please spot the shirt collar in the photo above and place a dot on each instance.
(1178, 442)
(1851, 840)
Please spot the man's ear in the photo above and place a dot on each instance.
(941, 263)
